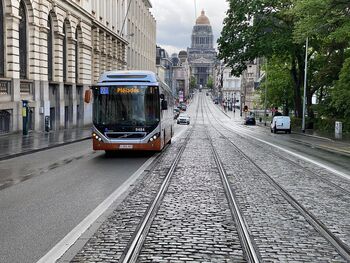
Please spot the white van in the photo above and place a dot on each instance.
(281, 123)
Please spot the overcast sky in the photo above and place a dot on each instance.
(176, 18)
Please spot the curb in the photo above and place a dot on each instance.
(11, 156)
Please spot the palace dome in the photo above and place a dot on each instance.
(202, 19)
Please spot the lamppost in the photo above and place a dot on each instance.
(265, 111)
(305, 83)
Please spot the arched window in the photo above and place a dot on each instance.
(2, 45)
(64, 53)
(23, 41)
(50, 49)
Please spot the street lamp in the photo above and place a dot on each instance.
(305, 83)
(265, 112)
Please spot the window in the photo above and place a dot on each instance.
(2, 45)
(23, 41)
(49, 49)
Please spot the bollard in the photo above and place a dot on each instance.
(338, 129)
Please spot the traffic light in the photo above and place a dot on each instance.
(245, 108)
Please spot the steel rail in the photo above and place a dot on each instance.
(288, 160)
(247, 243)
(136, 245)
(339, 245)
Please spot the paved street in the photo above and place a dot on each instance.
(52, 191)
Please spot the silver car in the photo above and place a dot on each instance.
(183, 119)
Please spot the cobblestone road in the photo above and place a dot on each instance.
(194, 222)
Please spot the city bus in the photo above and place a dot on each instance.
(132, 110)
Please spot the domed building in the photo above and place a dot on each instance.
(202, 56)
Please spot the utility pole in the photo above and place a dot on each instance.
(265, 112)
(305, 83)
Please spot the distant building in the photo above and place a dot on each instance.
(250, 79)
(181, 75)
(164, 66)
(231, 89)
(202, 56)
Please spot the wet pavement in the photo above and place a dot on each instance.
(313, 139)
(16, 144)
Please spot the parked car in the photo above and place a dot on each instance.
(176, 113)
(281, 123)
(183, 119)
(250, 120)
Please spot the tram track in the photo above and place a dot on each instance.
(135, 246)
(337, 243)
(281, 157)
(250, 249)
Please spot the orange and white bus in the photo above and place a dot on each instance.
(132, 110)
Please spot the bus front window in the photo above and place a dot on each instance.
(126, 106)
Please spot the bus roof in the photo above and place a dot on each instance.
(130, 76)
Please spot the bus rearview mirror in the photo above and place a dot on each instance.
(87, 97)
(164, 105)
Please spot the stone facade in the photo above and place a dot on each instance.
(201, 54)
(51, 52)
(231, 89)
(141, 33)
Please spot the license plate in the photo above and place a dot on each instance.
(125, 146)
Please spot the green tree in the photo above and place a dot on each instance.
(262, 28)
(278, 83)
(340, 95)
(193, 83)
(210, 83)
(327, 24)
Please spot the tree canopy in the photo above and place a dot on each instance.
(277, 30)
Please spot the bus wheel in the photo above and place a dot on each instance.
(169, 142)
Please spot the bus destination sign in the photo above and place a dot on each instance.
(123, 90)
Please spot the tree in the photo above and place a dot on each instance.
(257, 28)
(210, 83)
(340, 95)
(193, 83)
(327, 24)
(279, 85)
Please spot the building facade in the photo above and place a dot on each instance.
(141, 33)
(202, 56)
(231, 89)
(181, 77)
(250, 80)
(164, 66)
(51, 51)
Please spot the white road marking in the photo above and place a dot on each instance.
(62, 247)
(246, 132)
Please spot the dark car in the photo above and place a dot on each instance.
(183, 107)
(176, 113)
(250, 120)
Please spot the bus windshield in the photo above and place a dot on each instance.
(123, 106)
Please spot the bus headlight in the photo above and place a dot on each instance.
(154, 137)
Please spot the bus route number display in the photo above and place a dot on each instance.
(123, 90)
(104, 90)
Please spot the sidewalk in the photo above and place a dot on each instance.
(324, 141)
(13, 145)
